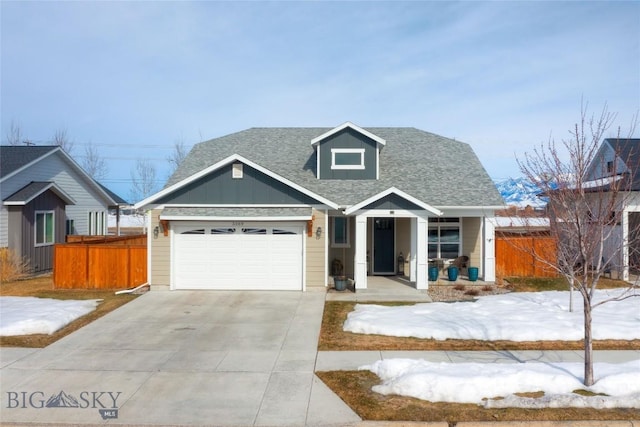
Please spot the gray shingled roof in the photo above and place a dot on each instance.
(14, 157)
(437, 170)
(34, 189)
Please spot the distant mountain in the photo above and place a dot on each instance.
(520, 192)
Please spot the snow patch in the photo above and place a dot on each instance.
(521, 316)
(31, 315)
(476, 382)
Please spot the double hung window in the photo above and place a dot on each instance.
(444, 238)
(44, 228)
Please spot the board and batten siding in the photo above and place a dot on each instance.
(348, 138)
(315, 248)
(219, 187)
(54, 168)
(472, 241)
(160, 254)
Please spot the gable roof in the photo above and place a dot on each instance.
(15, 158)
(32, 190)
(434, 169)
(345, 125)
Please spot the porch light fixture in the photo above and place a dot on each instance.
(318, 233)
(155, 232)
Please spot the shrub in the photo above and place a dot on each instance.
(12, 267)
(472, 292)
(487, 288)
(459, 287)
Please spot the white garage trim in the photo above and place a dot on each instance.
(237, 255)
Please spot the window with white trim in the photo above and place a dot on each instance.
(340, 232)
(444, 238)
(347, 158)
(45, 228)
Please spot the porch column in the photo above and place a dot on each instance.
(489, 252)
(360, 257)
(414, 242)
(422, 254)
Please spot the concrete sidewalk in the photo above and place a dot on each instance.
(204, 358)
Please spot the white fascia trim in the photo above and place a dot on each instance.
(182, 205)
(400, 193)
(345, 125)
(224, 162)
(235, 218)
(470, 210)
(59, 192)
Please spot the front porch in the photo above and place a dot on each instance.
(396, 288)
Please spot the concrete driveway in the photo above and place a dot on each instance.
(218, 358)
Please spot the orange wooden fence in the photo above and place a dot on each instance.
(525, 256)
(100, 264)
(137, 239)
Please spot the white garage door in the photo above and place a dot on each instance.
(256, 256)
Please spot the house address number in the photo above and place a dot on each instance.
(237, 223)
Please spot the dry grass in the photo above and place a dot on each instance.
(333, 337)
(42, 287)
(354, 387)
(12, 267)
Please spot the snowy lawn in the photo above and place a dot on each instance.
(475, 382)
(537, 316)
(525, 316)
(31, 315)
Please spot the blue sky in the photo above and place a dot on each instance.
(132, 78)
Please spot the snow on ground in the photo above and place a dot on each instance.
(518, 316)
(473, 382)
(127, 220)
(31, 315)
(535, 316)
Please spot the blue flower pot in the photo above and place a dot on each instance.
(433, 274)
(453, 273)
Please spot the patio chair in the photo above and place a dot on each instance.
(460, 262)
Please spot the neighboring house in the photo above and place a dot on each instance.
(45, 196)
(620, 159)
(272, 208)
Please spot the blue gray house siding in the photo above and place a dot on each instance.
(348, 138)
(219, 187)
(22, 230)
(391, 202)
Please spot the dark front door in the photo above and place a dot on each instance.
(383, 248)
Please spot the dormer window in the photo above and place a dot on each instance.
(347, 158)
(348, 152)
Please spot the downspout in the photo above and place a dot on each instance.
(132, 290)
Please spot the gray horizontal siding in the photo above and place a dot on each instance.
(348, 138)
(393, 201)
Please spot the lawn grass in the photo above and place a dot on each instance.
(354, 388)
(42, 287)
(333, 337)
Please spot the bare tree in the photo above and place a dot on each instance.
(14, 134)
(93, 163)
(61, 138)
(143, 178)
(177, 155)
(585, 210)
